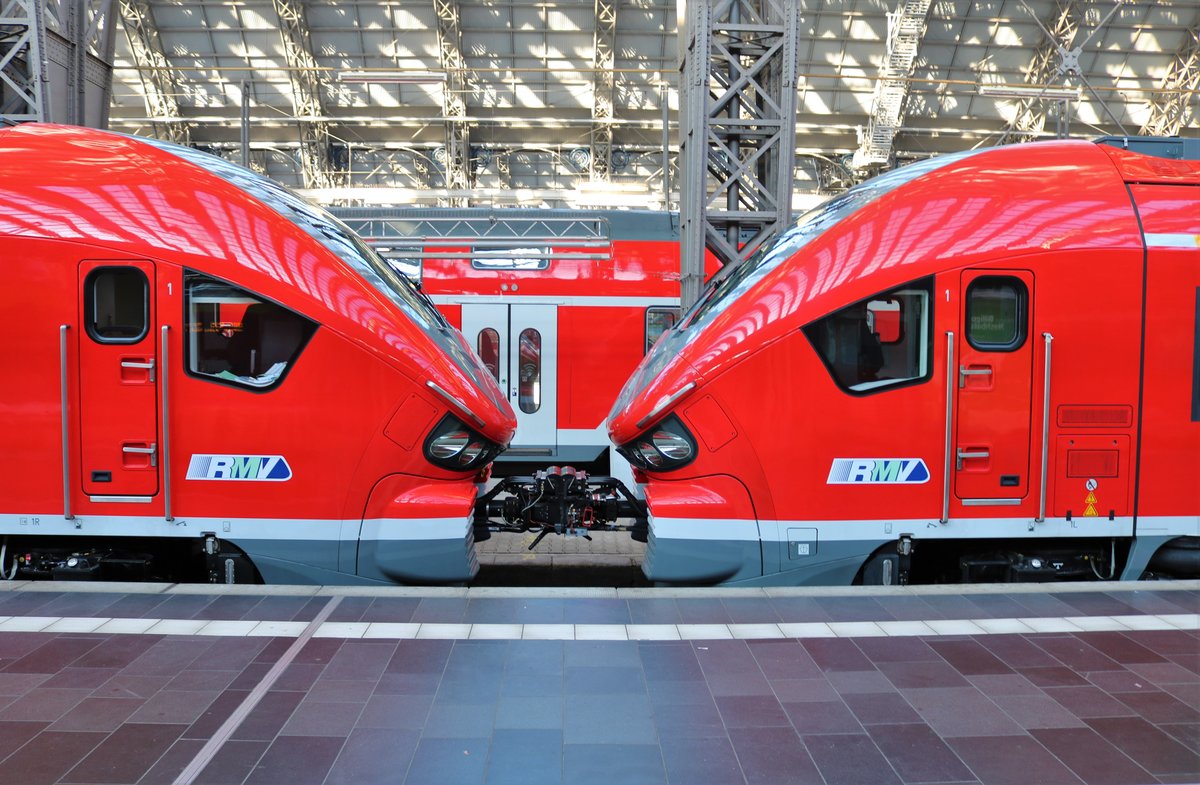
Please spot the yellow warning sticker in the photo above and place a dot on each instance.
(1089, 510)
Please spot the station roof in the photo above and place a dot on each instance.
(530, 80)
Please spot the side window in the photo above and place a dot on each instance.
(879, 342)
(238, 338)
(488, 346)
(659, 319)
(996, 308)
(117, 304)
(529, 385)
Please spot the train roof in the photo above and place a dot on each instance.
(910, 223)
(146, 199)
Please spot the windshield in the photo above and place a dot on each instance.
(733, 281)
(338, 238)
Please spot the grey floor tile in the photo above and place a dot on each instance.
(700, 761)
(522, 758)
(850, 759)
(462, 761)
(774, 756)
(607, 764)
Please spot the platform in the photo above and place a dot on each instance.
(144, 684)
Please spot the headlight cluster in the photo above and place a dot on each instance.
(452, 445)
(664, 447)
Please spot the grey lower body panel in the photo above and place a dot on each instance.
(419, 561)
(751, 563)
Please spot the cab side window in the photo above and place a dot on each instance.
(238, 338)
(877, 343)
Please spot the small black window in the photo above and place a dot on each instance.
(659, 319)
(996, 309)
(117, 304)
(880, 342)
(238, 338)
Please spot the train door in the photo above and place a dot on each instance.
(994, 388)
(118, 379)
(518, 344)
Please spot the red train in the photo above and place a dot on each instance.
(208, 378)
(980, 367)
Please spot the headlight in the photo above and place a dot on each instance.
(452, 445)
(664, 447)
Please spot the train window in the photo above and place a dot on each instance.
(996, 308)
(117, 304)
(238, 338)
(877, 343)
(488, 347)
(659, 319)
(529, 385)
(511, 259)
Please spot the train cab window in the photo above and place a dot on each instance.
(996, 308)
(117, 304)
(488, 347)
(529, 385)
(659, 319)
(238, 338)
(877, 343)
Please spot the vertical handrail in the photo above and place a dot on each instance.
(1048, 338)
(166, 426)
(66, 437)
(949, 422)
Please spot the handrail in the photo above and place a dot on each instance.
(166, 426)
(1048, 338)
(66, 440)
(949, 423)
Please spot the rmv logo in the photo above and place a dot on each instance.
(877, 471)
(268, 468)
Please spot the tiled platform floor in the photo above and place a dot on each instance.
(867, 701)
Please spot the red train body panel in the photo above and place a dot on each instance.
(227, 368)
(976, 367)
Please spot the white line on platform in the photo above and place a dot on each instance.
(640, 632)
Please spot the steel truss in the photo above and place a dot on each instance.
(737, 129)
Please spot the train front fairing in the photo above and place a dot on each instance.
(218, 379)
(934, 375)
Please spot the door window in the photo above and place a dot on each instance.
(238, 338)
(529, 387)
(488, 347)
(117, 304)
(996, 308)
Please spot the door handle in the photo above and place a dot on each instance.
(152, 451)
(964, 372)
(961, 455)
(148, 365)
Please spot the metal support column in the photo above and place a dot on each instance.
(737, 131)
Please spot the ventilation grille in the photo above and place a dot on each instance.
(1095, 416)
(1092, 463)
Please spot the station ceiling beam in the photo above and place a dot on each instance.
(1170, 108)
(160, 84)
(304, 74)
(454, 103)
(603, 89)
(906, 28)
